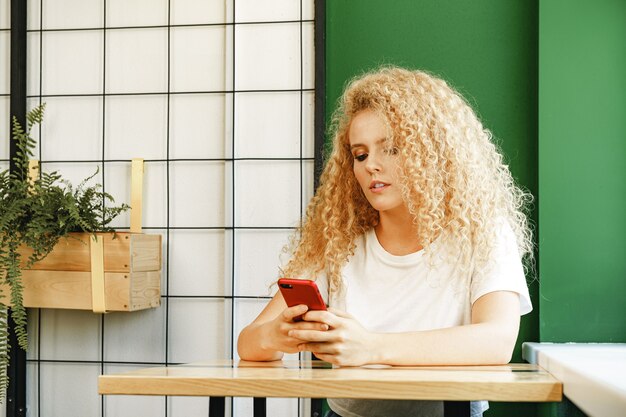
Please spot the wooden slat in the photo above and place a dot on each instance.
(72, 290)
(146, 252)
(145, 290)
(72, 253)
(524, 383)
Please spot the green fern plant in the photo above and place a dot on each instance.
(37, 215)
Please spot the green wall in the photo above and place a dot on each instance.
(548, 77)
(582, 170)
(485, 49)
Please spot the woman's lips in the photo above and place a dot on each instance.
(378, 186)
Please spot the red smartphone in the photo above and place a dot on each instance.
(301, 291)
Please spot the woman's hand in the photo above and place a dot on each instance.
(279, 330)
(345, 343)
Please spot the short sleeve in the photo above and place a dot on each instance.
(322, 284)
(504, 272)
(320, 279)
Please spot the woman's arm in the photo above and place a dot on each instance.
(489, 339)
(266, 338)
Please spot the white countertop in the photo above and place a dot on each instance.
(593, 374)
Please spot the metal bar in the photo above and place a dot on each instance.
(320, 86)
(259, 406)
(18, 70)
(217, 407)
(16, 391)
(320, 121)
(316, 407)
(456, 409)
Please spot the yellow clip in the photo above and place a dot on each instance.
(136, 195)
(33, 172)
(96, 247)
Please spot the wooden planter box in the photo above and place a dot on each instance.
(132, 274)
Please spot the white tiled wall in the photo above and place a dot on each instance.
(216, 108)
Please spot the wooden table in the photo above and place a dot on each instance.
(455, 385)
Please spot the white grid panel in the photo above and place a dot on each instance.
(217, 97)
(5, 60)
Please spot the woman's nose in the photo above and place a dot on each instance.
(373, 163)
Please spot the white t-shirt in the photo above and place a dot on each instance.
(389, 294)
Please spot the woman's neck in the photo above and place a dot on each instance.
(397, 234)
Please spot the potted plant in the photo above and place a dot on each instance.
(35, 213)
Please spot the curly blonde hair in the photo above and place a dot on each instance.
(454, 180)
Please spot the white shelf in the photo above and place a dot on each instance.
(593, 374)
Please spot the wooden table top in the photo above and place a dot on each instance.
(314, 379)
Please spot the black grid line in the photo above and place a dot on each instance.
(39, 96)
(40, 100)
(300, 125)
(233, 213)
(187, 25)
(91, 161)
(301, 140)
(163, 93)
(167, 206)
(6, 95)
(231, 230)
(7, 31)
(104, 77)
(226, 228)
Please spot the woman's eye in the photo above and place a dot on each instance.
(360, 157)
(391, 151)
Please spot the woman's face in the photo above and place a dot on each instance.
(375, 162)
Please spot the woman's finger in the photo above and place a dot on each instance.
(320, 316)
(292, 312)
(310, 325)
(311, 335)
(340, 313)
(322, 348)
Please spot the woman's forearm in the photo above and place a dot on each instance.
(489, 340)
(474, 344)
(253, 344)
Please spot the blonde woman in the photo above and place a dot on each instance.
(416, 236)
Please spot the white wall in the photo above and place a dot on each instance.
(226, 128)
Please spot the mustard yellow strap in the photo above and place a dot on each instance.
(97, 274)
(33, 172)
(136, 195)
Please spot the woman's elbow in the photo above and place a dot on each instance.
(502, 343)
(503, 356)
(249, 347)
(243, 346)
